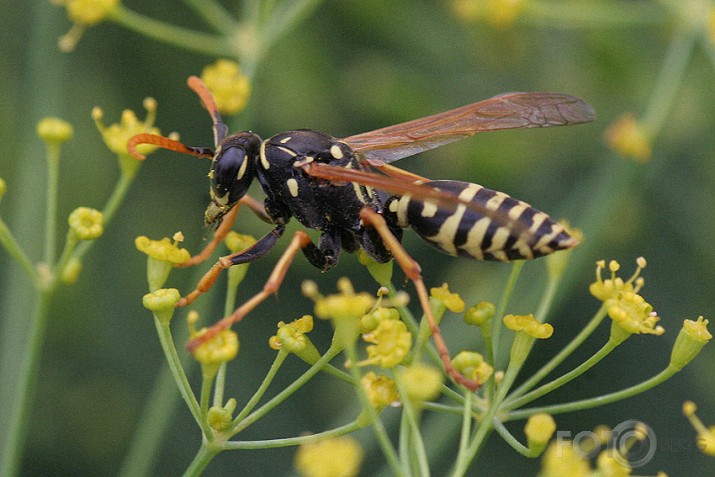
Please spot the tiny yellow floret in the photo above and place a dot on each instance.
(291, 338)
(164, 249)
(627, 137)
(162, 299)
(229, 86)
(539, 429)
(54, 130)
(612, 465)
(220, 349)
(220, 418)
(480, 314)
(333, 457)
(86, 223)
(472, 366)
(562, 459)
(706, 435)
(691, 339)
(452, 301)
(610, 288)
(633, 314)
(391, 342)
(236, 242)
(529, 325)
(422, 382)
(370, 321)
(3, 187)
(117, 135)
(83, 14)
(381, 391)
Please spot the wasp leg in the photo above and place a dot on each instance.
(251, 254)
(224, 229)
(300, 241)
(412, 270)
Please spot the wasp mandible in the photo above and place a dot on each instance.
(348, 190)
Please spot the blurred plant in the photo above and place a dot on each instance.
(85, 226)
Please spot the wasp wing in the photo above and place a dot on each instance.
(506, 111)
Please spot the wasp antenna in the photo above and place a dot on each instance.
(165, 143)
(220, 128)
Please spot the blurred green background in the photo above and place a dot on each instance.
(352, 67)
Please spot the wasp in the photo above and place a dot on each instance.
(348, 190)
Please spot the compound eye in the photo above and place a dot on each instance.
(231, 174)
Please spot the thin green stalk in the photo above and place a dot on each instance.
(22, 401)
(669, 79)
(177, 370)
(561, 356)
(10, 244)
(501, 308)
(372, 416)
(486, 424)
(416, 452)
(251, 404)
(202, 458)
(292, 441)
(180, 37)
(466, 429)
(561, 380)
(592, 15)
(214, 14)
(53, 174)
(511, 440)
(596, 401)
(110, 208)
(283, 395)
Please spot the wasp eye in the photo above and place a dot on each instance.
(229, 170)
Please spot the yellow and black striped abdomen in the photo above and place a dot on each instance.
(494, 227)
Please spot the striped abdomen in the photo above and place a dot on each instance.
(498, 227)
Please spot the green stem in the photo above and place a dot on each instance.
(22, 399)
(283, 395)
(177, 370)
(214, 14)
(591, 15)
(511, 440)
(372, 416)
(251, 404)
(596, 401)
(669, 79)
(416, 452)
(180, 37)
(202, 458)
(292, 441)
(561, 356)
(53, 174)
(110, 208)
(560, 381)
(10, 244)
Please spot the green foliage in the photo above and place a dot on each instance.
(83, 386)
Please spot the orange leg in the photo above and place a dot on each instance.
(412, 270)
(224, 228)
(299, 241)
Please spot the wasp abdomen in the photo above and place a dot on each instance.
(494, 226)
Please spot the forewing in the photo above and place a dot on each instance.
(506, 111)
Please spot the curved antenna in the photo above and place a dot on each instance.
(165, 143)
(220, 128)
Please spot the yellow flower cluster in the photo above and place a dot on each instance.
(334, 457)
(473, 366)
(116, 135)
(229, 86)
(629, 138)
(391, 343)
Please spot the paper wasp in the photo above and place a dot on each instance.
(347, 190)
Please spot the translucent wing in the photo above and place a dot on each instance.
(506, 111)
